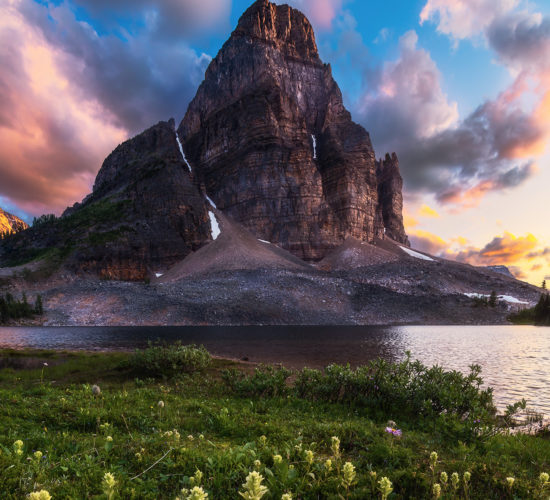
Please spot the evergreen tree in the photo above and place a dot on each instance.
(38, 306)
(542, 310)
(493, 299)
(11, 308)
(546, 311)
(4, 313)
(543, 286)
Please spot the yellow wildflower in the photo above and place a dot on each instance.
(40, 495)
(455, 480)
(385, 487)
(253, 488)
(335, 446)
(18, 447)
(197, 493)
(108, 484)
(349, 474)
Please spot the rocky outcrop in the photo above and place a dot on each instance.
(162, 218)
(272, 144)
(10, 223)
(504, 270)
(390, 198)
(144, 215)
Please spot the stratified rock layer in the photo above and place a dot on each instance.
(270, 141)
(390, 198)
(163, 217)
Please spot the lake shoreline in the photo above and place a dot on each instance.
(513, 358)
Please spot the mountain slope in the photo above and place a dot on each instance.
(234, 248)
(10, 223)
(144, 213)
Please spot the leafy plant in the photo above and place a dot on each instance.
(169, 360)
(267, 381)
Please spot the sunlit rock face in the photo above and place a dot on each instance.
(10, 223)
(272, 144)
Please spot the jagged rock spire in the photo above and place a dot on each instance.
(273, 144)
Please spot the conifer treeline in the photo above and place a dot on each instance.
(538, 315)
(10, 308)
(541, 312)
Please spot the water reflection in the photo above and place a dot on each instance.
(515, 359)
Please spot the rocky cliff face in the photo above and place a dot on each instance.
(272, 144)
(268, 139)
(10, 223)
(162, 216)
(143, 215)
(390, 198)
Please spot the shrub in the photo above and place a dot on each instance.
(168, 360)
(408, 387)
(266, 381)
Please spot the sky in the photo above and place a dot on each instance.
(459, 89)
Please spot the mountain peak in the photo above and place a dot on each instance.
(10, 223)
(272, 144)
(281, 25)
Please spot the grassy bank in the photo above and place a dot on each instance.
(208, 424)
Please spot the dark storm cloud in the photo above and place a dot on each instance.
(458, 161)
(167, 19)
(522, 40)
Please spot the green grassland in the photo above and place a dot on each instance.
(158, 417)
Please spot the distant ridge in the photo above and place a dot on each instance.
(10, 223)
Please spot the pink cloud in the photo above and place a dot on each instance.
(409, 98)
(521, 40)
(507, 249)
(516, 252)
(460, 161)
(52, 141)
(68, 96)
